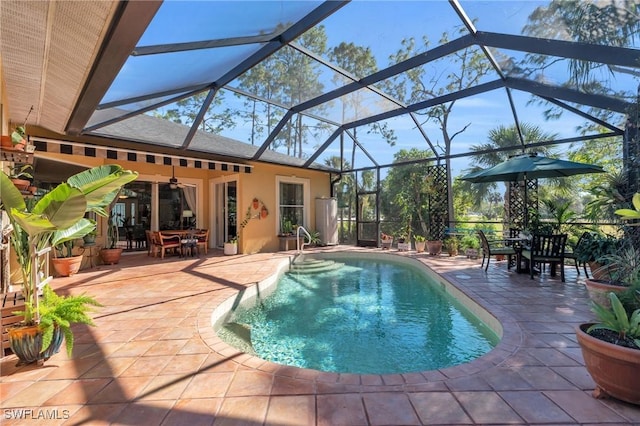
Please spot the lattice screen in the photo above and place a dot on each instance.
(521, 208)
(438, 210)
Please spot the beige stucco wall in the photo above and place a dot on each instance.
(259, 235)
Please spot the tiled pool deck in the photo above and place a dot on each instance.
(154, 359)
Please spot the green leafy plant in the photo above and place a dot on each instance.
(419, 238)
(629, 214)
(62, 311)
(451, 243)
(233, 240)
(18, 135)
(21, 171)
(617, 320)
(596, 248)
(470, 241)
(55, 218)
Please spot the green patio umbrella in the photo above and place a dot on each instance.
(530, 166)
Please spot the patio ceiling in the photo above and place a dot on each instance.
(112, 69)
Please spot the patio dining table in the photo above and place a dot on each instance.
(518, 243)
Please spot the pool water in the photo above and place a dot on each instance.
(368, 317)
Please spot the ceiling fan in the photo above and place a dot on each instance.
(173, 182)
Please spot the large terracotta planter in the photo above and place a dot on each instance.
(434, 247)
(67, 266)
(110, 256)
(26, 343)
(614, 368)
(598, 291)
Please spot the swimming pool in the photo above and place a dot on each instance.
(372, 316)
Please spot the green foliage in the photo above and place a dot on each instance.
(62, 312)
(405, 196)
(18, 135)
(629, 214)
(21, 171)
(596, 247)
(419, 238)
(57, 217)
(451, 243)
(470, 241)
(616, 319)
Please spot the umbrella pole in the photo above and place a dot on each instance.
(526, 204)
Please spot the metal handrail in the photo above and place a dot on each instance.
(298, 248)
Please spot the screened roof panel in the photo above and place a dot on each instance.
(555, 70)
(206, 20)
(354, 106)
(360, 69)
(175, 71)
(382, 26)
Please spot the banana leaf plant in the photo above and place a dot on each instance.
(57, 217)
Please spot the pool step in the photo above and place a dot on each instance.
(311, 266)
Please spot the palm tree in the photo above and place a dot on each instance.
(493, 153)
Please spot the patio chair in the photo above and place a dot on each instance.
(494, 248)
(571, 254)
(202, 235)
(546, 249)
(167, 243)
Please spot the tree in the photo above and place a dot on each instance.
(404, 196)
(288, 77)
(614, 23)
(491, 154)
(417, 85)
(186, 110)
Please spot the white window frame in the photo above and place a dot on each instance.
(306, 189)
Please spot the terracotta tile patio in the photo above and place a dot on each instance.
(154, 359)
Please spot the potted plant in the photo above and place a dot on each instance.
(57, 216)
(471, 245)
(434, 243)
(452, 245)
(90, 238)
(594, 249)
(421, 242)
(611, 350)
(56, 314)
(404, 243)
(64, 261)
(20, 175)
(386, 240)
(111, 253)
(231, 246)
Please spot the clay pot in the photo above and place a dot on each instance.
(434, 247)
(614, 368)
(67, 266)
(599, 289)
(110, 256)
(5, 141)
(21, 184)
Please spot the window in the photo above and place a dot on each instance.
(293, 203)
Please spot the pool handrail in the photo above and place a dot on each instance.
(298, 247)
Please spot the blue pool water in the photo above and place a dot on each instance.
(369, 317)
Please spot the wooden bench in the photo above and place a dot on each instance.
(10, 302)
